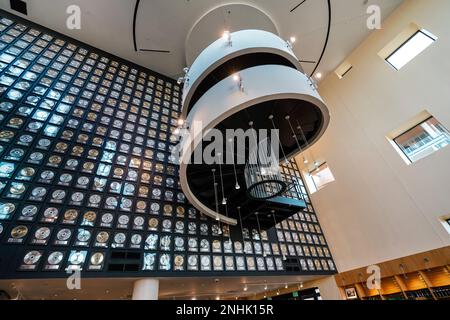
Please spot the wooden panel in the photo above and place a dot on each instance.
(389, 286)
(414, 282)
(422, 261)
(439, 277)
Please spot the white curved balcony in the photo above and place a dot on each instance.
(221, 51)
(259, 84)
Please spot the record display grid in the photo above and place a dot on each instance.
(87, 180)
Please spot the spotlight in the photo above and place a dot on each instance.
(180, 122)
(245, 288)
(237, 78)
(286, 286)
(293, 39)
(319, 75)
(226, 35)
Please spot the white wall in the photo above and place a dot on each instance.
(379, 208)
(327, 286)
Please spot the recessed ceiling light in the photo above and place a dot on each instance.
(226, 35)
(319, 75)
(293, 39)
(180, 122)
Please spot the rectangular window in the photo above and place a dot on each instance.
(320, 178)
(410, 49)
(423, 139)
(343, 69)
(445, 222)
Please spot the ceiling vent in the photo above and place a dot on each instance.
(19, 6)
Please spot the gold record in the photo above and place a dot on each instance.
(6, 134)
(97, 258)
(118, 172)
(88, 166)
(83, 137)
(153, 223)
(101, 130)
(77, 150)
(67, 134)
(179, 260)
(16, 122)
(102, 237)
(141, 205)
(143, 191)
(97, 141)
(168, 209)
(158, 180)
(70, 215)
(93, 153)
(145, 177)
(61, 146)
(19, 232)
(90, 216)
(180, 211)
(55, 159)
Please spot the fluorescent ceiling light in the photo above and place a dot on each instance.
(410, 49)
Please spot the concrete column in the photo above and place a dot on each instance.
(146, 290)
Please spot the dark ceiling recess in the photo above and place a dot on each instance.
(19, 6)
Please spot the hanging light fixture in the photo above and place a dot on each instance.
(262, 172)
(237, 186)
(224, 199)
(259, 230)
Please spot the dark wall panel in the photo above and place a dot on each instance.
(87, 180)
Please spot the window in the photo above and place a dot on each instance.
(446, 222)
(423, 140)
(410, 49)
(319, 178)
(343, 69)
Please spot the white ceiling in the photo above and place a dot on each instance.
(166, 24)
